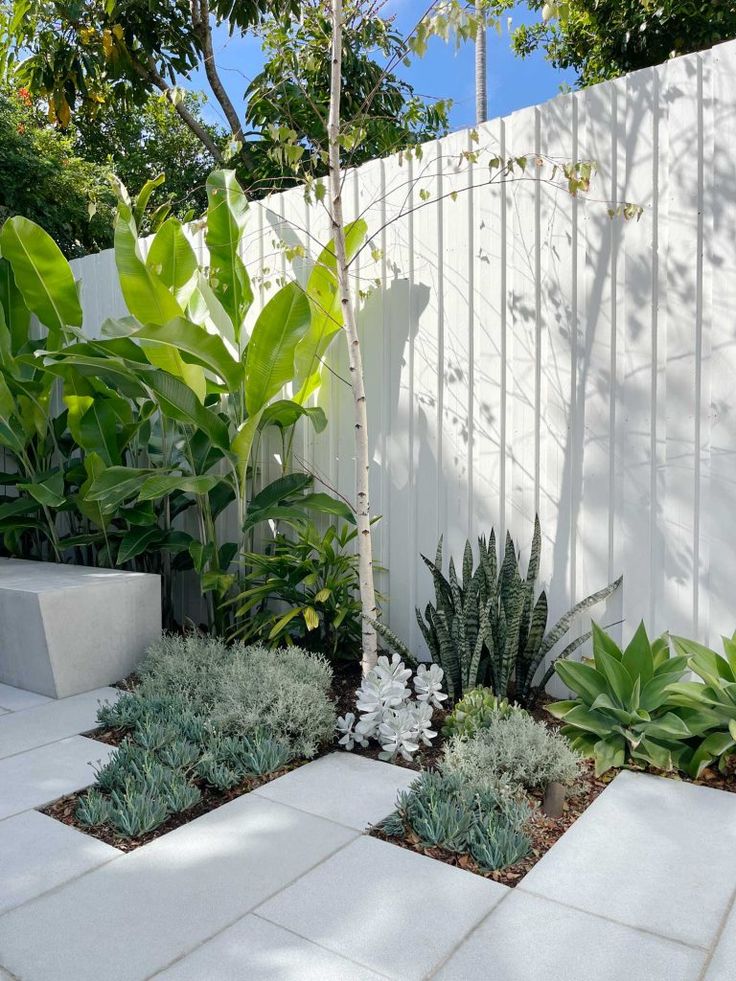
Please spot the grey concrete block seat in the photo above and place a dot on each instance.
(66, 629)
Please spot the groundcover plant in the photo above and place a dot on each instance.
(205, 718)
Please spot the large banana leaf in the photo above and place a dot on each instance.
(327, 319)
(16, 314)
(42, 275)
(226, 215)
(172, 259)
(197, 344)
(98, 431)
(286, 413)
(269, 362)
(177, 401)
(145, 294)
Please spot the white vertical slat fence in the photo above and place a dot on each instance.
(525, 353)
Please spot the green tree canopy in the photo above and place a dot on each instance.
(152, 140)
(42, 177)
(603, 39)
(288, 101)
(98, 63)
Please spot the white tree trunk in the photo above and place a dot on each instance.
(481, 75)
(355, 357)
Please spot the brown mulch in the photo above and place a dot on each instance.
(64, 808)
(543, 830)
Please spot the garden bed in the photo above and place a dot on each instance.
(544, 832)
(64, 808)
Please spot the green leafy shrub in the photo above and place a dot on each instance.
(441, 809)
(624, 709)
(710, 705)
(515, 750)
(312, 577)
(488, 627)
(475, 710)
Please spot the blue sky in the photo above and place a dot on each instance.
(443, 72)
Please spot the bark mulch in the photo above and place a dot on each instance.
(544, 831)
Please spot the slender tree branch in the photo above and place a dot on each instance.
(203, 29)
(150, 73)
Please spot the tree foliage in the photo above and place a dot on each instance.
(43, 177)
(602, 39)
(153, 140)
(96, 64)
(288, 101)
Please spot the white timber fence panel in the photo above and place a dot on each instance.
(526, 354)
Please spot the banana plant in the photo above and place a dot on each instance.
(34, 278)
(624, 709)
(710, 703)
(210, 386)
(58, 436)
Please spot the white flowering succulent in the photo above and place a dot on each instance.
(428, 685)
(389, 714)
(398, 735)
(345, 726)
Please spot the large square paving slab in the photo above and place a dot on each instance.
(396, 912)
(41, 775)
(526, 938)
(254, 948)
(636, 856)
(723, 965)
(38, 853)
(137, 914)
(17, 699)
(54, 720)
(351, 790)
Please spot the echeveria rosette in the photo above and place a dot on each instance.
(624, 709)
(428, 684)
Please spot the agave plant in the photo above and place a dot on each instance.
(711, 704)
(624, 710)
(488, 627)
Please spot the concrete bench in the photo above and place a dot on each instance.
(66, 629)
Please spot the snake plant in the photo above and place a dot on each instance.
(488, 626)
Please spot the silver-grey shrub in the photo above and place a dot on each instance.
(244, 689)
(516, 751)
(283, 692)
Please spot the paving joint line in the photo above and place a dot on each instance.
(466, 937)
(703, 948)
(251, 911)
(316, 943)
(718, 936)
(62, 885)
(52, 742)
(300, 810)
